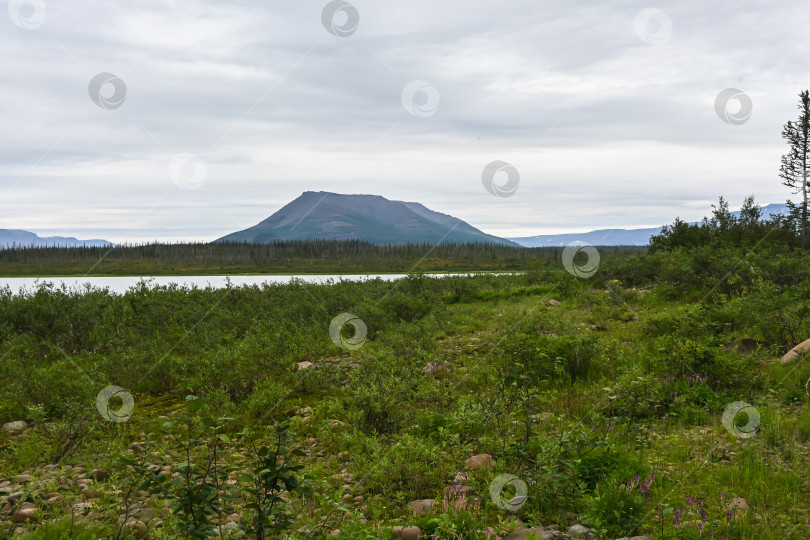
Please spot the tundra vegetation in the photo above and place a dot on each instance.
(604, 396)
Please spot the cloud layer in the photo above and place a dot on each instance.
(607, 111)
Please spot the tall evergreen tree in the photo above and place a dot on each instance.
(794, 169)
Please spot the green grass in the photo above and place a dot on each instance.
(578, 400)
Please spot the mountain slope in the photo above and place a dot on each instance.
(20, 238)
(371, 218)
(619, 237)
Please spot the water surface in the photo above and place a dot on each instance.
(120, 285)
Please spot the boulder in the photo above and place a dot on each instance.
(19, 425)
(480, 461)
(27, 512)
(138, 528)
(795, 352)
(407, 533)
(99, 475)
(579, 531)
(422, 506)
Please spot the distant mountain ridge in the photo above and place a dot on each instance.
(19, 238)
(371, 218)
(619, 237)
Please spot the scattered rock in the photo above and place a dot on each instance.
(305, 365)
(19, 425)
(138, 528)
(580, 531)
(99, 475)
(422, 506)
(27, 512)
(795, 352)
(407, 533)
(553, 302)
(480, 461)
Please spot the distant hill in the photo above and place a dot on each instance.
(15, 237)
(618, 237)
(371, 218)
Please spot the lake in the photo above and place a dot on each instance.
(122, 284)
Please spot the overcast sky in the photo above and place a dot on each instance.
(215, 114)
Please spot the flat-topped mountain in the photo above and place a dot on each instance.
(371, 218)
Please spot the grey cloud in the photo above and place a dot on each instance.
(275, 105)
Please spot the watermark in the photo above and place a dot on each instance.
(499, 169)
(336, 331)
(108, 91)
(731, 420)
(420, 99)
(27, 14)
(123, 412)
(340, 18)
(188, 171)
(733, 106)
(496, 492)
(653, 26)
(581, 270)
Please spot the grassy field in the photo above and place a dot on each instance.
(604, 398)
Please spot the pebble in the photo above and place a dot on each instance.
(407, 533)
(27, 512)
(99, 475)
(480, 461)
